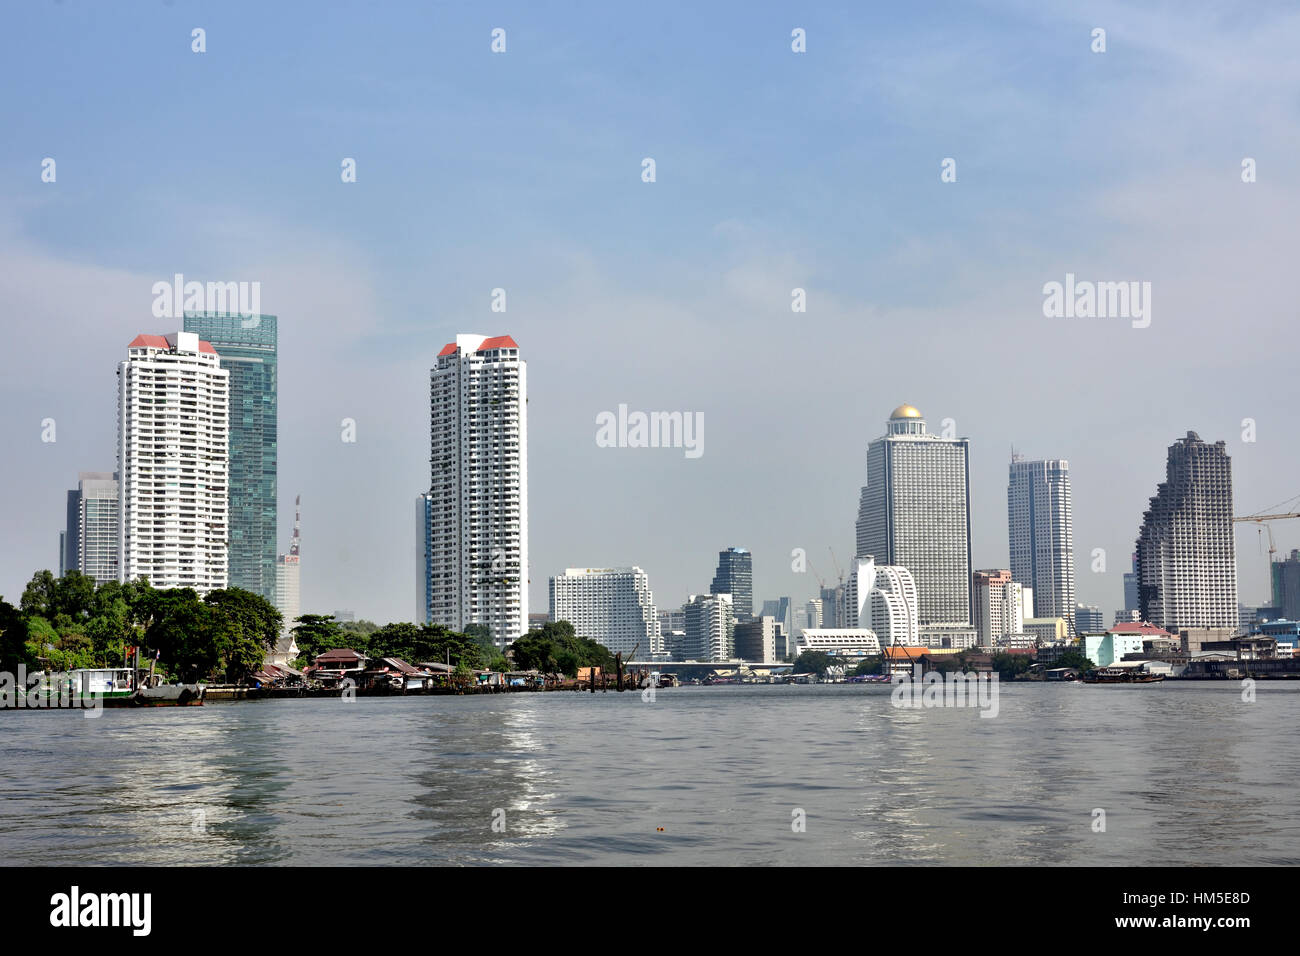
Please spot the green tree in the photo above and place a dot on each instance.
(814, 662)
(1009, 666)
(872, 665)
(183, 631)
(1075, 659)
(14, 649)
(243, 626)
(317, 633)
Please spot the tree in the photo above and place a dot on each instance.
(13, 639)
(317, 633)
(814, 662)
(1075, 659)
(181, 630)
(1009, 666)
(243, 626)
(872, 665)
(554, 648)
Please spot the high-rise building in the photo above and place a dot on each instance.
(779, 609)
(90, 542)
(915, 513)
(288, 573)
(424, 557)
(1284, 577)
(1088, 619)
(1131, 602)
(478, 508)
(1186, 554)
(999, 606)
(735, 576)
(832, 599)
(248, 349)
(612, 606)
(813, 613)
(710, 628)
(756, 640)
(1040, 526)
(883, 599)
(173, 461)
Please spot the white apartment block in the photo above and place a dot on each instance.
(999, 606)
(883, 598)
(478, 506)
(173, 463)
(1040, 529)
(613, 606)
(710, 628)
(914, 512)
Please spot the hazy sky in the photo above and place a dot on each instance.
(775, 170)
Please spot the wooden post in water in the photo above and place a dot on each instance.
(618, 665)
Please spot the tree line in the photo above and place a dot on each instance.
(70, 622)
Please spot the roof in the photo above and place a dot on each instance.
(341, 654)
(1145, 629)
(144, 341)
(399, 665)
(905, 411)
(487, 345)
(906, 652)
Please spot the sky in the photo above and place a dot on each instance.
(774, 170)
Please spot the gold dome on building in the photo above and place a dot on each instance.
(905, 411)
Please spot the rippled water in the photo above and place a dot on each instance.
(1186, 774)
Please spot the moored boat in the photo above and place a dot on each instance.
(1121, 675)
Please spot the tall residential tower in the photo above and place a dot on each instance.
(173, 461)
(478, 491)
(735, 576)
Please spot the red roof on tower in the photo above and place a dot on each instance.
(148, 342)
(498, 342)
(448, 349)
(160, 342)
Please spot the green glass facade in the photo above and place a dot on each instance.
(248, 347)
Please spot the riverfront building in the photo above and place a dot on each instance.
(999, 606)
(613, 606)
(914, 513)
(477, 559)
(710, 628)
(90, 543)
(1040, 527)
(735, 576)
(1186, 552)
(173, 463)
(758, 640)
(248, 349)
(883, 599)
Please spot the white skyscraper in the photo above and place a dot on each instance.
(1040, 527)
(613, 606)
(914, 513)
(882, 599)
(710, 628)
(478, 493)
(173, 463)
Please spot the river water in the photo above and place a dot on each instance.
(1186, 773)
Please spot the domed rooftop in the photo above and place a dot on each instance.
(904, 411)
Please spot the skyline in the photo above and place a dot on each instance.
(677, 298)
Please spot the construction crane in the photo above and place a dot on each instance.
(835, 561)
(1263, 520)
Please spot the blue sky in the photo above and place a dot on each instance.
(775, 170)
